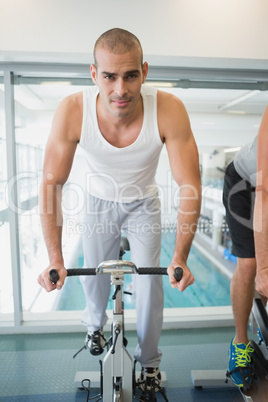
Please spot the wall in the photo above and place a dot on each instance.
(171, 31)
(207, 33)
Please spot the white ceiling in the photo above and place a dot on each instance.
(215, 123)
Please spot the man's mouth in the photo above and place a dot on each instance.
(121, 102)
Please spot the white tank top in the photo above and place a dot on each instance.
(121, 174)
(245, 162)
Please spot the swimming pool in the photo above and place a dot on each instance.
(211, 288)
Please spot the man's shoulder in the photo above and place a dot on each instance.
(172, 114)
(76, 98)
(168, 102)
(72, 102)
(163, 97)
(147, 89)
(68, 116)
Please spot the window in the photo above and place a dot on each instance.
(23, 135)
(6, 289)
(35, 104)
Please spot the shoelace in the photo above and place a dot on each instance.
(152, 374)
(242, 355)
(96, 338)
(150, 379)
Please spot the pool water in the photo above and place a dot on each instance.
(210, 288)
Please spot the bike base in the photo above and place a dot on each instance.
(94, 377)
(210, 378)
(214, 379)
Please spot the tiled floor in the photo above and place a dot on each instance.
(42, 368)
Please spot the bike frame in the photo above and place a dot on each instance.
(117, 363)
(117, 374)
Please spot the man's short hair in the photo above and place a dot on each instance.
(117, 41)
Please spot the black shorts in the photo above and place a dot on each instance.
(238, 199)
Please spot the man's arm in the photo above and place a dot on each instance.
(184, 162)
(59, 154)
(261, 208)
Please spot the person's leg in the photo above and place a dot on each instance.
(143, 229)
(242, 293)
(238, 199)
(101, 242)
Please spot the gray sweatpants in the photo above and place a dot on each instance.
(140, 221)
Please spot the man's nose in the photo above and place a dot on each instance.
(121, 88)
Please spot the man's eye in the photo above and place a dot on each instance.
(108, 77)
(132, 76)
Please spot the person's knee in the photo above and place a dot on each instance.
(246, 269)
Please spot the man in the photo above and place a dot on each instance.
(246, 201)
(121, 126)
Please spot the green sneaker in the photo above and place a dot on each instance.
(239, 364)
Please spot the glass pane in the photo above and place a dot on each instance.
(35, 105)
(6, 292)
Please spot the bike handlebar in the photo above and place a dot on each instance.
(54, 276)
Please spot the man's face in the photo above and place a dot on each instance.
(119, 78)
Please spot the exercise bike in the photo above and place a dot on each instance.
(117, 376)
(257, 389)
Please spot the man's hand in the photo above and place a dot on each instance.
(44, 280)
(187, 277)
(261, 281)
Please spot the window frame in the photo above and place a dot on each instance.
(21, 73)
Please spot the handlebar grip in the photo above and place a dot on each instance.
(152, 271)
(54, 276)
(178, 273)
(81, 271)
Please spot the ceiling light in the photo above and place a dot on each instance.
(235, 149)
(236, 112)
(239, 99)
(62, 83)
(161, 84)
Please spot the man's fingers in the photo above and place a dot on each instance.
(45, 283)
(172, 280)
(186, 280)
(59, 285)
(184, 283)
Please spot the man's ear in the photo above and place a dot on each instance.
(93, 71)
(145, 69)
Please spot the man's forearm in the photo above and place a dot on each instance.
(188, 215)
(261, 228)
(51, 220)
